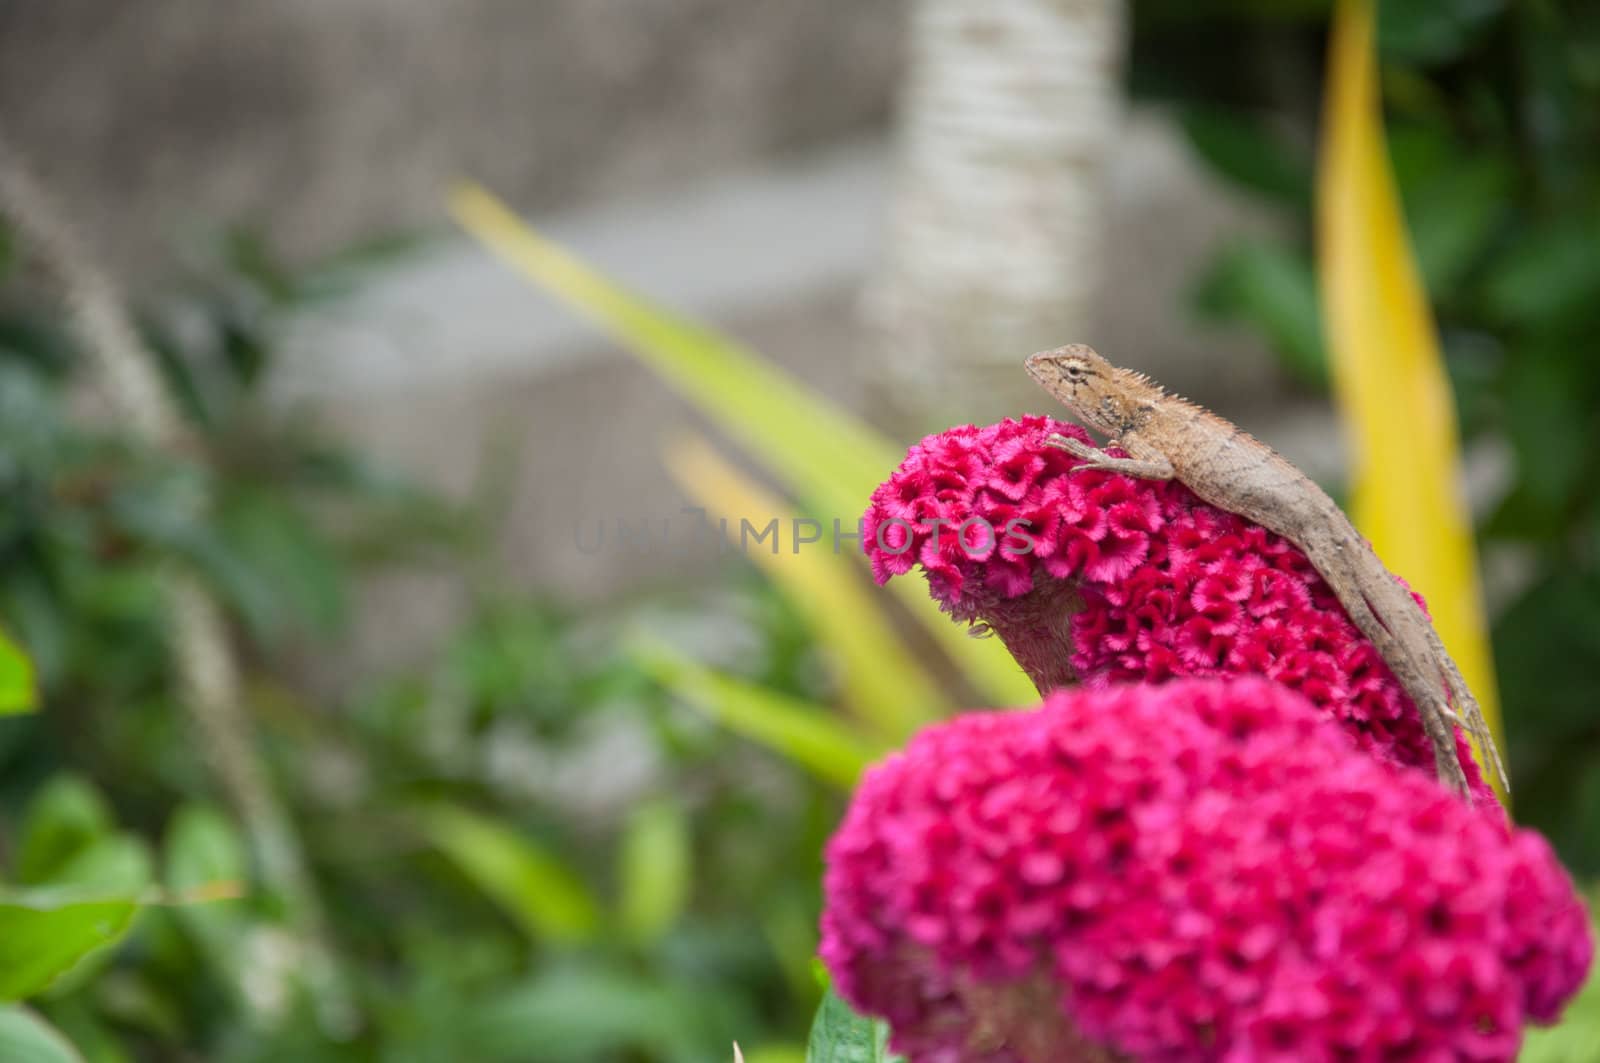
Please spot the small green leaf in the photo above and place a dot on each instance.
(202, 849)
(40, 941)
(839, 1035)
(654, 869)
(64, 818)
(18, 687)
(119, 863)
(544, 896)
(26, 1038)
(805, 733)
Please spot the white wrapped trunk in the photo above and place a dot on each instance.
(996, 220)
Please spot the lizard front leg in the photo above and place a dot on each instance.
(1151, 465)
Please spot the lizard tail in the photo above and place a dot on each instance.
(1372, 599)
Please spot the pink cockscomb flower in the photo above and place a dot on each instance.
(1200, 870)
(1092, 577)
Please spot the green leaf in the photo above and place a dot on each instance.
(119, 863)
(1273, 289)
(26, 1038)
(1245, 150)
(64, 818)
(534, 887)
(839, 1035)
(41, 940)
(829, 459)
(804, 732)
(654, 867)
(203, 848)
(19, 690)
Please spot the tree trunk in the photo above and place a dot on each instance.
(995, 226)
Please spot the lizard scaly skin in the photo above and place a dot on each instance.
(1166, 437)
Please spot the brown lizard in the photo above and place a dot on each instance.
(1166, 437)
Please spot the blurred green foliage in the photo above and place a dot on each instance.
(569, 838)
(525, 848)
(1493, 111)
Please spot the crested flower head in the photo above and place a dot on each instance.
(1161, 584)
(1202, 870)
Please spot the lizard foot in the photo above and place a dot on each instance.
(1077, 448)
(1469, 716)
(1435, 722)
(1140, 468)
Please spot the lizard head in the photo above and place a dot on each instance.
(1096, 392)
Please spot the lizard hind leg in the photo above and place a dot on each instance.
(1401, 614)
(1372, 609)
(1467, 707)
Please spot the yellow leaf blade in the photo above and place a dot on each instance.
(830, 458)
(881, 681)
(1389, 377)
(544, 896)
(827, 457)
(803, 732)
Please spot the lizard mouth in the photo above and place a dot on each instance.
(1042, 368)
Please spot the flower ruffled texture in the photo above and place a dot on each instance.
(1202, 870)
(1170, 586)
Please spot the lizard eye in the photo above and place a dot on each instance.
(1074, 372)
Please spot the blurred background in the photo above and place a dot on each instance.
(361, 574)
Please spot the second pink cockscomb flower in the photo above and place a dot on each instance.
(1197, 871)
